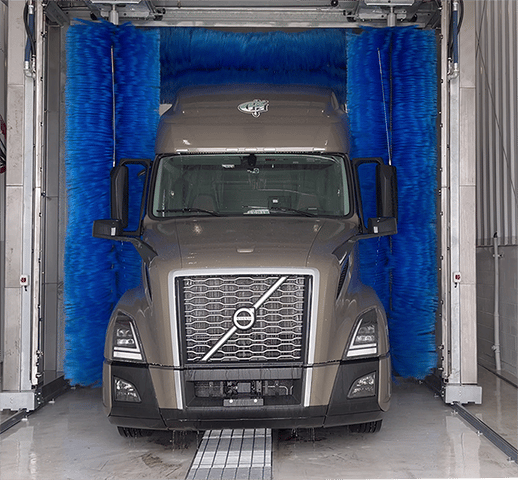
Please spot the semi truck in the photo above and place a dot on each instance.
(250, 312)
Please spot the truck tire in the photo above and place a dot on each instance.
(129, 432)
(369, 427)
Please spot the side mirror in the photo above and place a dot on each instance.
(378, 227)
(107, 229)
(386, 191)
(385, 182)
(119, 195)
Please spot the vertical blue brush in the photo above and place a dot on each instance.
(137, 98)
(415, 280)
(89, 282)
(403, 273)
(368, 139)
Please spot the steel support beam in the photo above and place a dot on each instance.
(459, 322)
(255, 14)
(3, 97)
(22, 213)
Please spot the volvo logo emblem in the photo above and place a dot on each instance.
(255, 107)
(244, 318)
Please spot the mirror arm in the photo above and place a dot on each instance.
(112, 230)
(345, 248)
(144, 250)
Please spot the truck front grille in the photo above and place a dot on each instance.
(207, 313)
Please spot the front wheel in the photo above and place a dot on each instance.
(369, 427)
(129, 432)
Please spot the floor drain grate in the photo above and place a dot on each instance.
(242, 454)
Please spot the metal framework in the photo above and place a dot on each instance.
(255, 13)
(458, 195)
(31, 147)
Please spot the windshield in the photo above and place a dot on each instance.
(261, 184)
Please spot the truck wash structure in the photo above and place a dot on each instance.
(99, 102)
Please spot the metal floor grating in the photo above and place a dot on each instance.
(242, 454)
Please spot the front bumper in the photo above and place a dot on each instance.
(218, 413)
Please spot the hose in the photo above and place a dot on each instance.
(28, 21)
(452, 38)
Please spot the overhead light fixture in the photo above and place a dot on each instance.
(389, 3)
(115, 2)
(128, 9)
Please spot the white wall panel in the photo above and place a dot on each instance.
(497, 110)
(3, 95)
(497, 180)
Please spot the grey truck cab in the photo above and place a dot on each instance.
(250, 312)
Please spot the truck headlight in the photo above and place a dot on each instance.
(126, 342)
(364, 341)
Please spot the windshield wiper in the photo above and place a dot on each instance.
(189, 210)
(294, 210)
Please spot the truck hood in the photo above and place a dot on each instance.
(247, 242)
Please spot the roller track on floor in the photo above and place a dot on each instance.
(497, 440)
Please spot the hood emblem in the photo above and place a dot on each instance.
(255, 107)
(244, 318)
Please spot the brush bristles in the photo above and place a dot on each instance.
(137, 97)
(97, 271)
(415, 274)
(196, 56)
(89, 288)
(402, 270)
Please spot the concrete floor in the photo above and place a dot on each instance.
(499, 407)
(421, 437)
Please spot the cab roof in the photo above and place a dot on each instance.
(248, 118)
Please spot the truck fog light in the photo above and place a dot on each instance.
(125, 391)
(363, 387)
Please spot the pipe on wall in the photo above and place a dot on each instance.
(496, 312)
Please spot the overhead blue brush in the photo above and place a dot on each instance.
(197, 56)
